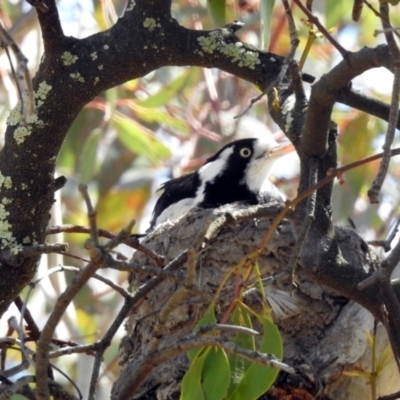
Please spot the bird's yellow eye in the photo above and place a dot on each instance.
(245, 152)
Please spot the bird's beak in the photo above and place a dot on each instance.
(281, 149)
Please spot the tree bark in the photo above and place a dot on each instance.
(323, 332)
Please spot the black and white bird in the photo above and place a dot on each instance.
(237, 173)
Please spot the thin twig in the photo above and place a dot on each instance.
(88, 349)
(227, 328)
(91, 214)
(377, 14)
(132, 241)
(387, 267)
(392, 307)
(129, 303)
(269, 210)
(144, 269)
(98, 260)
(25, 363)
(294, 39)
(250, 355)
(290, 205)
(387, 243)
(138, 370)
(310, 210)
(120, 237)
(119, 289)
(314, 20)
(22, 78)
(373, 192)
(250, 105)
(33, 251)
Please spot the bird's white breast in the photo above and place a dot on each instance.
(259, 168)
(176, 210)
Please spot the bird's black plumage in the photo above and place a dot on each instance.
(237, 172)
(175, 190)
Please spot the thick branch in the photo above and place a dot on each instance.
(71, 74)
(50, 24)
(324, 94)
(362, 102)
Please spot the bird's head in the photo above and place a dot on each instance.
(246, 161)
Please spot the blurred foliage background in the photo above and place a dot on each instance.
(127, 141)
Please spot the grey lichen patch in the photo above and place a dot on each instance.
(26, 240)
(6, 181)
(41, 93)
(94, 56)
(21, 133)
(131, 6)
(33, 119)
(236, 51)
(96, 80)
(25, 128)
(151, 24)
(77, 77)
(209, 43)
(287, 108)
(106, 47)
(15, 115)
(68, 58)
(3, 213)
(6, 237)
(6, 201)
(100, 67)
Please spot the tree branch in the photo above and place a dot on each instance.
(50, 24)
(84, 68)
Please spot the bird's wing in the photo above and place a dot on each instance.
(174, 191)
(270, 193)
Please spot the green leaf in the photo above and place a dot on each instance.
(191, 388)
(266, 9)
(258, 378)
(78, 133)
(115, 207)
(216, 374)
(217, 11)
(239, 365)
(209, 373)
(356, 128)
(139, 139)
(208, 318)
(152, 115)
(88, 158)
(99, 15)
(165, 95)
(116, 161)
(336, 12)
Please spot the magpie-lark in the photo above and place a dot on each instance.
(237, 172)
